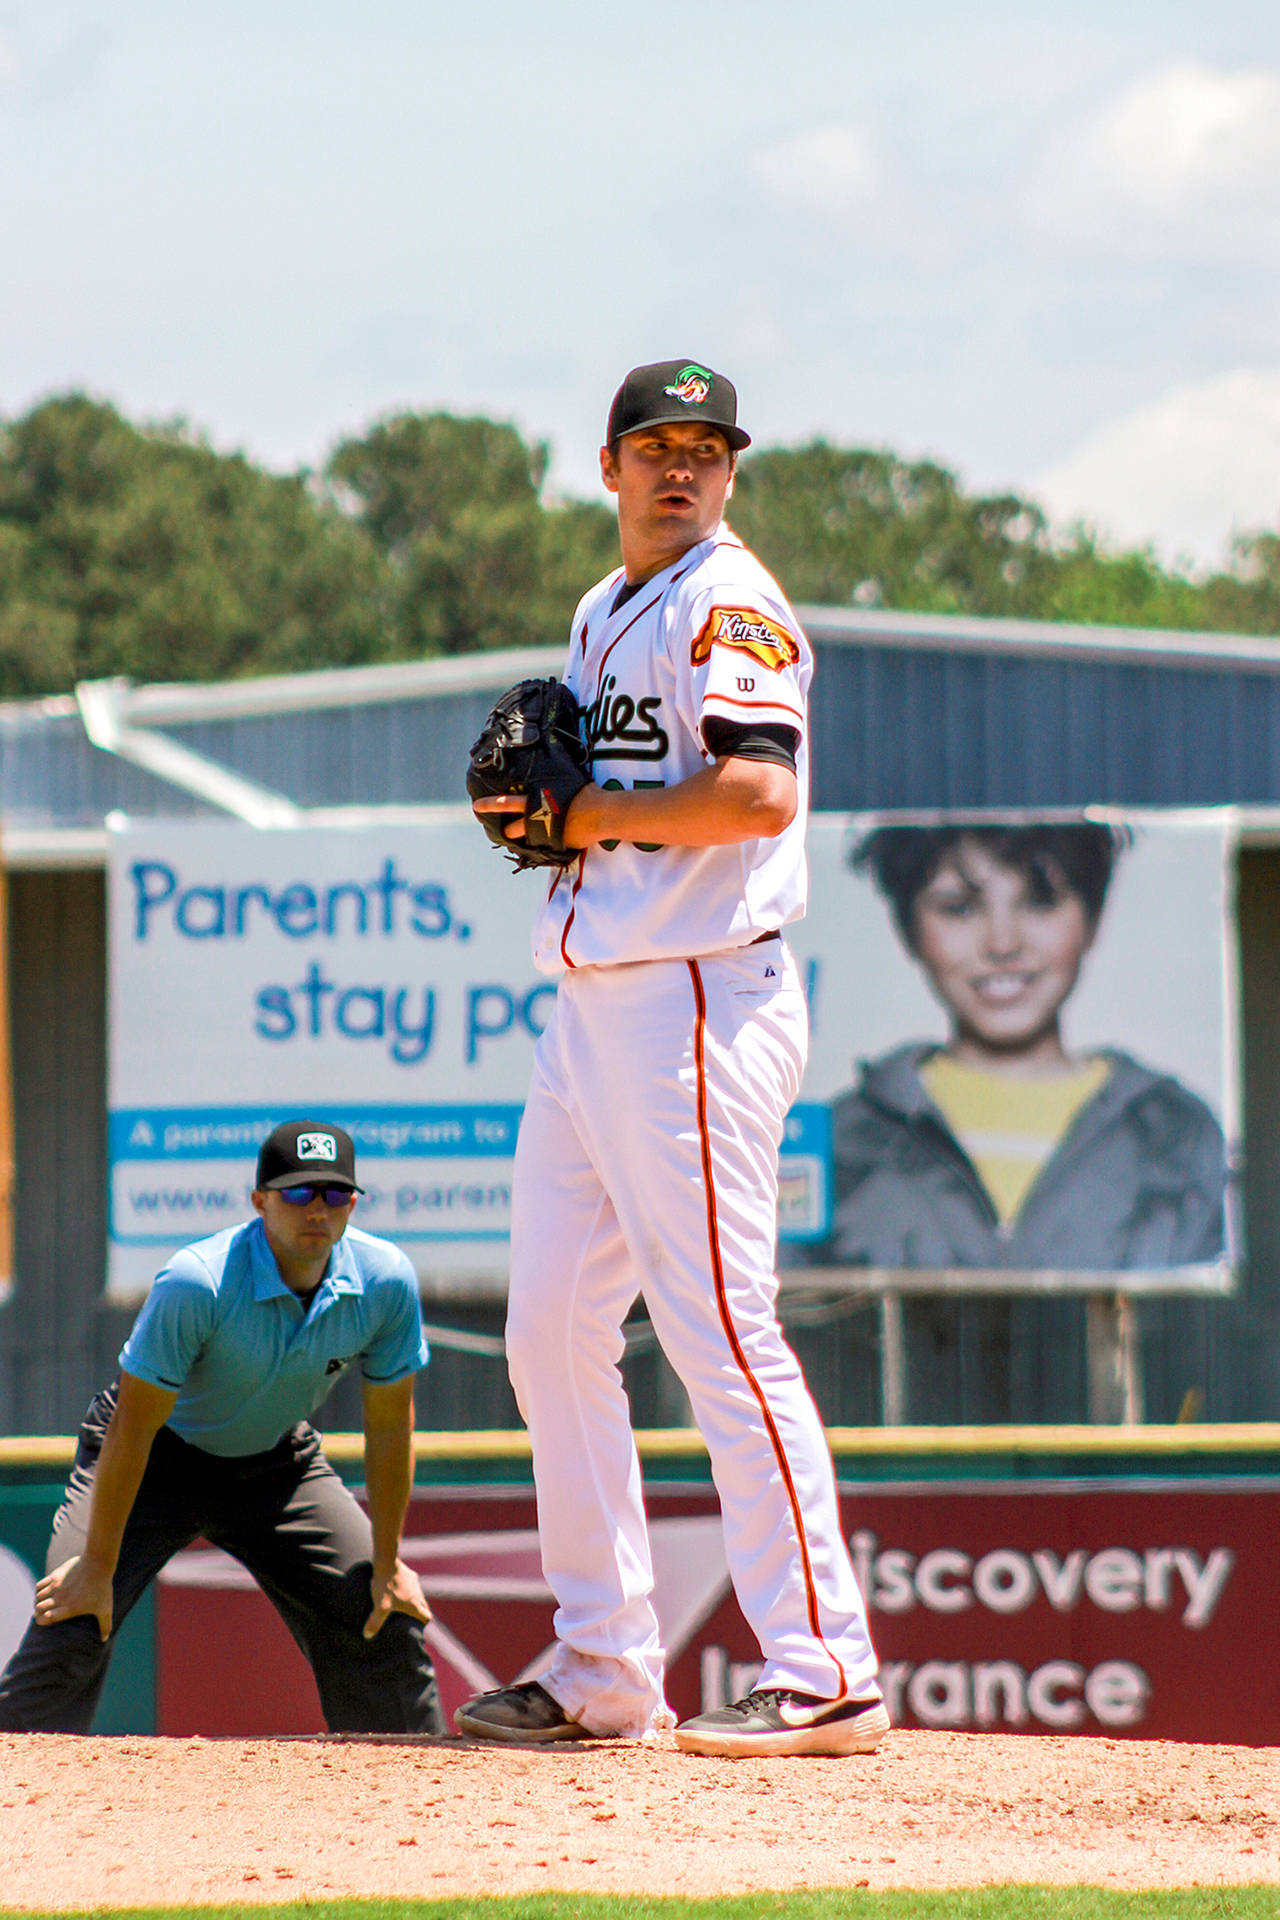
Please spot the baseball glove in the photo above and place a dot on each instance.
(532, 743)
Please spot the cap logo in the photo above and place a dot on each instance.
(692, 385)
(317, 1146)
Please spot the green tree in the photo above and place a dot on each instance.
(141, 551)
(144, 552)
(841, 525)
(1247, 599)
(477, 559)
(579, 545)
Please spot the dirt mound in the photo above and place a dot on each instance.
(131, 1821)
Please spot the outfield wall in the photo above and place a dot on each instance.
(1041, 1580)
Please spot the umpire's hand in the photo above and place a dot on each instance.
(76, 1587)
(399, 1591)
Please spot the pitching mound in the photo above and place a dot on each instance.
(124, 1822)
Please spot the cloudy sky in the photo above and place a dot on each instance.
(1039, 243)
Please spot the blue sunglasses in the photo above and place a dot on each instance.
(303, 1196)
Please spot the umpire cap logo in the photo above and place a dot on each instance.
(317, 1146)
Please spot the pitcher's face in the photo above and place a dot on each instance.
(672, 482)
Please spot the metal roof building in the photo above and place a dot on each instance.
(910, 712)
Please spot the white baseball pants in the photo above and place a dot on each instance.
(647, 1161)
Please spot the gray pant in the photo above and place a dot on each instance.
(287, 1517)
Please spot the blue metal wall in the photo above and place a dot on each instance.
(899, 728)
(393, 753)
(893, 727)
(50, 775)
(906, 714)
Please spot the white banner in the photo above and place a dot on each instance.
(377, 978)
(380, 978)
(1022, 1066)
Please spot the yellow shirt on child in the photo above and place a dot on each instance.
(1009, 1127)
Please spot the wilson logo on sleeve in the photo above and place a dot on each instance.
(747, 631)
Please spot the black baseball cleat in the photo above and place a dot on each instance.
(522, 1714)
(778, 1720)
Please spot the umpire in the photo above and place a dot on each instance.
(206, 1433)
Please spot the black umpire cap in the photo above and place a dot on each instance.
(676, 390)
(310, 1151)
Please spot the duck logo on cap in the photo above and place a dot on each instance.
(317, 1146)
(692, 385)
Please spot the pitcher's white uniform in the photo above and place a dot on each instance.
(711, 637)
(647, 1162)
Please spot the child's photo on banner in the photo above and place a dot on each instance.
(1038, 1070)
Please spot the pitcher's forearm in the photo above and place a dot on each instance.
(726, 802)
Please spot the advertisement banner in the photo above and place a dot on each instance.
(1020, 1054)
(379, 979)
(1049, 1607)
(1023, 1057)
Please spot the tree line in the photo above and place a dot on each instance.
(140, 550)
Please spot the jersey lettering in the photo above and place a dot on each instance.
(747, 631)
(620, 728)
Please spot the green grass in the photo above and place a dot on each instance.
(985, 1903)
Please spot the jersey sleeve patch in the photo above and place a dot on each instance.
(747, 630)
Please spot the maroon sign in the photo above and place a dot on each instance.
(1062, 1608)
(1038, 1608)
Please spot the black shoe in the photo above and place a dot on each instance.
(777, 1720)
(519, 1714)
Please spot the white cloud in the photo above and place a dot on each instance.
(1185, 162)
(1184, 473)
(827, 170)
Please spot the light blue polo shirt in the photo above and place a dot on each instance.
(247, 1361)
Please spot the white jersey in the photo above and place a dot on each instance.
(712, 636)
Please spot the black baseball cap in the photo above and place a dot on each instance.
(675, 390)
(307, 1150)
